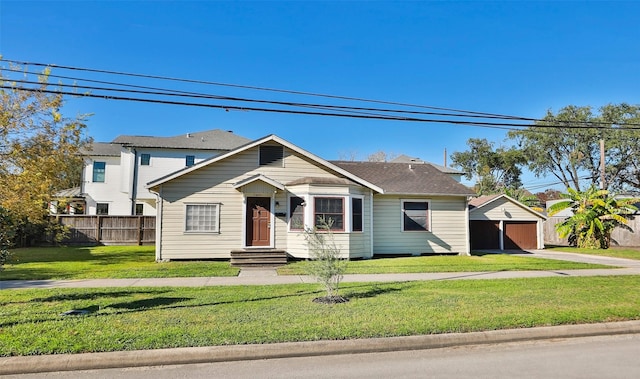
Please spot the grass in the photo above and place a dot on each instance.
(617, 252)
(103, 262)
(475, 263)
(64, 263)
(150, 318)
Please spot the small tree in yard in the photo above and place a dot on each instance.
(325, 265)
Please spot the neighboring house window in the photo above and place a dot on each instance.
(331, 210)
(296, 213)
(202, 218)
(191, 160)
(356, 214)
(415, 215)
(272, 156)
(139, 209)
(98, 171)
(145, 159)
(102, 209)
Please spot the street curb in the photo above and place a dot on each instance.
(191, 355)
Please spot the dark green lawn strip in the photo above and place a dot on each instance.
(104, 262)
(488, 262)
(150, 318)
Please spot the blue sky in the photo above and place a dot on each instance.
(518, 58)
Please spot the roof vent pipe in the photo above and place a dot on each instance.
(188, 135)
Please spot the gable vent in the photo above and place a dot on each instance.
(272, 156)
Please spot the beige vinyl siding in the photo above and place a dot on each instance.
(493, 211)
(448, 227)
(215, 184)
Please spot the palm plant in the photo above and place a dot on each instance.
(596, 213)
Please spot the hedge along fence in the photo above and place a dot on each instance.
(108, 230)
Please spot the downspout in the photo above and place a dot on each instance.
(158, 224)
(134, 182)
(467, 226)
(82, 193)
(371, 223)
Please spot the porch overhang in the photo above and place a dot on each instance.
(258, 178)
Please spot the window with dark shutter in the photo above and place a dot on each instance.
(272, 156)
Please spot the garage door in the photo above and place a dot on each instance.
(520, 235)
(485, 234)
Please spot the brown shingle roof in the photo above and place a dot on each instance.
(480, 200)
(406, 179)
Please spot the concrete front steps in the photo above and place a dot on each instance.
(258, 258)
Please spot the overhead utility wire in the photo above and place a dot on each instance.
(170, 92)
(470, 114)
(505, 126)
(164, 92)
(24, 63)
(240, 108)
(199, 94)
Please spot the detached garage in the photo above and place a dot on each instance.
(502, 223)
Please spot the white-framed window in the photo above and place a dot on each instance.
(357, 213)
(139, 209)
(296, 213)
(202, 218)
(99, 169)
(416, 215)
(331, 210)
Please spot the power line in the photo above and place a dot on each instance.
(169, 92)
(494, 125)
(241, 108)
(24, 63)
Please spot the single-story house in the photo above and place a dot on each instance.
(501, 222)
(262, 195)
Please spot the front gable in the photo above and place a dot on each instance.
(503, 207)
(296, 162)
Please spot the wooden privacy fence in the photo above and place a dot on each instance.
(109, 230)
(619, 236)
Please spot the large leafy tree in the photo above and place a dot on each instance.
(596, 213)
(622, 144)
(40, 150)
(567, 146)
(493, 170)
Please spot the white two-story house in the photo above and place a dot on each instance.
(115, 173)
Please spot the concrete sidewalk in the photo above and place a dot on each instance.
(270, 277)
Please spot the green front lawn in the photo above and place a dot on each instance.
(63, 263)
(617, 252)
(103, 262)
(152, 318)
(476, 263)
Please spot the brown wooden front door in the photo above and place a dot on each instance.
(258, 221)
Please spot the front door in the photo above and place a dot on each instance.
(258, 221)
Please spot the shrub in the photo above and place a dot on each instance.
(325, 265)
